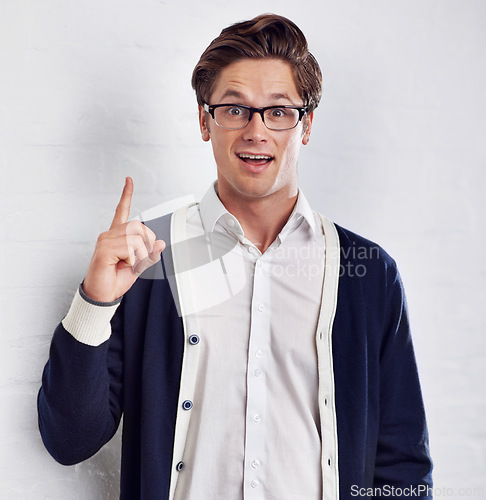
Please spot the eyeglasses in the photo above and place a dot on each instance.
(237, 116)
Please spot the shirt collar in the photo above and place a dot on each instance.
(214, 214)
(302, 210)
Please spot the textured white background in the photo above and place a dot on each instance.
(96, 90)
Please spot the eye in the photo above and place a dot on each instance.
(234, 111)
(278, 113)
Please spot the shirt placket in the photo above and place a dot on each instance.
(257, 390)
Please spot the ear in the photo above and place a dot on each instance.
(306, 136)
(203, 116)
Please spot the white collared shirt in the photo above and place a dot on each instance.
(254, 431)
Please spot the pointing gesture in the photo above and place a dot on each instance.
(122, 211)
(121, 254)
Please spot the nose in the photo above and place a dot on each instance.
(256, 130)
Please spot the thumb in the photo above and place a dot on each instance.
(152, 258)
(157, 249)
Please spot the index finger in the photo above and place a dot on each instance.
(122, 211)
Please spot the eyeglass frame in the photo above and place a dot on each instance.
(209, 108)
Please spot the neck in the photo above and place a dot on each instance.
(262, 219)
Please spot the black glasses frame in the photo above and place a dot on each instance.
(210, 108)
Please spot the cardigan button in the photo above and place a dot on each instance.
(187, 405)
(179, 466)
(194, 339)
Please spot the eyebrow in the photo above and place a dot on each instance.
(232, 93)
(277, 97)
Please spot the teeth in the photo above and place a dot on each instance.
(254, 157)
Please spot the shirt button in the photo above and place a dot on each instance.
(255, 464)
(187, 405)
(180, 466)
(194, 339)
(232, 222)
(259, 354)
(257, 418)
(253, 251)
(261, 307)
(255, 483)
(257, 372)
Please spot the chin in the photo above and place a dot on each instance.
(255, 190)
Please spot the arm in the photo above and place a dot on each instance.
(402, 457)
(80, 402)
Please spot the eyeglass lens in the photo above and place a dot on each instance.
(235, 117)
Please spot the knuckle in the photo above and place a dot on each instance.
(102, 236)
(141, 251)
(137, 239)
(151, 234)
(148, 233)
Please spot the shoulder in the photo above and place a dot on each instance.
(355, 246)
(370, 285)
(367, 261)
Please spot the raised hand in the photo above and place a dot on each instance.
(121, 254)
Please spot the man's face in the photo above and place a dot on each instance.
(256, 83)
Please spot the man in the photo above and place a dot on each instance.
(286, 371)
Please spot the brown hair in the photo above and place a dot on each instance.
(267, 35)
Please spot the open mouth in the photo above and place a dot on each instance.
(255, 160)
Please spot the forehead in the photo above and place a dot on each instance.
(258, 82)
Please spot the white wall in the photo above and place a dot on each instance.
(93, 91)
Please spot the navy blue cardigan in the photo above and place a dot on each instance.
(382, 434)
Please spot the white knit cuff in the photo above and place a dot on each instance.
(89, 323)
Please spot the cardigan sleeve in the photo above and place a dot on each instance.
(402, 456)
(80, 400)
